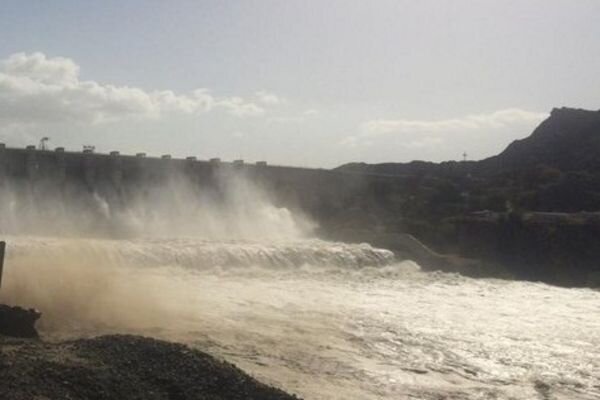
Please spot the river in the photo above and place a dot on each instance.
(322, 320)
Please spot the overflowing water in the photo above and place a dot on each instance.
(323, 320)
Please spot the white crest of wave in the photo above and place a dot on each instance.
(199, 254)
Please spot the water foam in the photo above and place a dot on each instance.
(198, 254)
(325, 320)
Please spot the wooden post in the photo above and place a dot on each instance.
(2, 248)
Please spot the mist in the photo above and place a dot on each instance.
(95, 261)
(233, 207)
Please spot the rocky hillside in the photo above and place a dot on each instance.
(568, 140)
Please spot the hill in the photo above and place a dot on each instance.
(569, 140)
(531, 211)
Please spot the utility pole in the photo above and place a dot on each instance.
(2, 250)
(43, 143)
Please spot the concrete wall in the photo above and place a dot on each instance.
(314, 190)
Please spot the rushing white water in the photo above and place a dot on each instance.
(323, 320)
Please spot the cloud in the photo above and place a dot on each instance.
(268, 98)
(37, 67)
(426, 142)
(35, 89)
(496, 120)
(399, 140)
(293, 118)
(239, 107)
(416, 134)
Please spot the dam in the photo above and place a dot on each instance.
(54, 185)
(308, 188)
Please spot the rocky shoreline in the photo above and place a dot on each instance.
(121, 367)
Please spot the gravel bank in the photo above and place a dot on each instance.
(121, 367)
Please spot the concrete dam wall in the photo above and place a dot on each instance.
(81, 193)
(36, 183)
(117, 172)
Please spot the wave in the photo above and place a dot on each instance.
(199, 254)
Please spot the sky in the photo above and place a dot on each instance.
(313, 83)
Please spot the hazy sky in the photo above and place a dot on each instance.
(315, 83)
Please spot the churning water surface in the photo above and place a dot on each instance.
(322, 320)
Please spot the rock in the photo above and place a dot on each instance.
(18, 322)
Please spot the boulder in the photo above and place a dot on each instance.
(18, 322)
